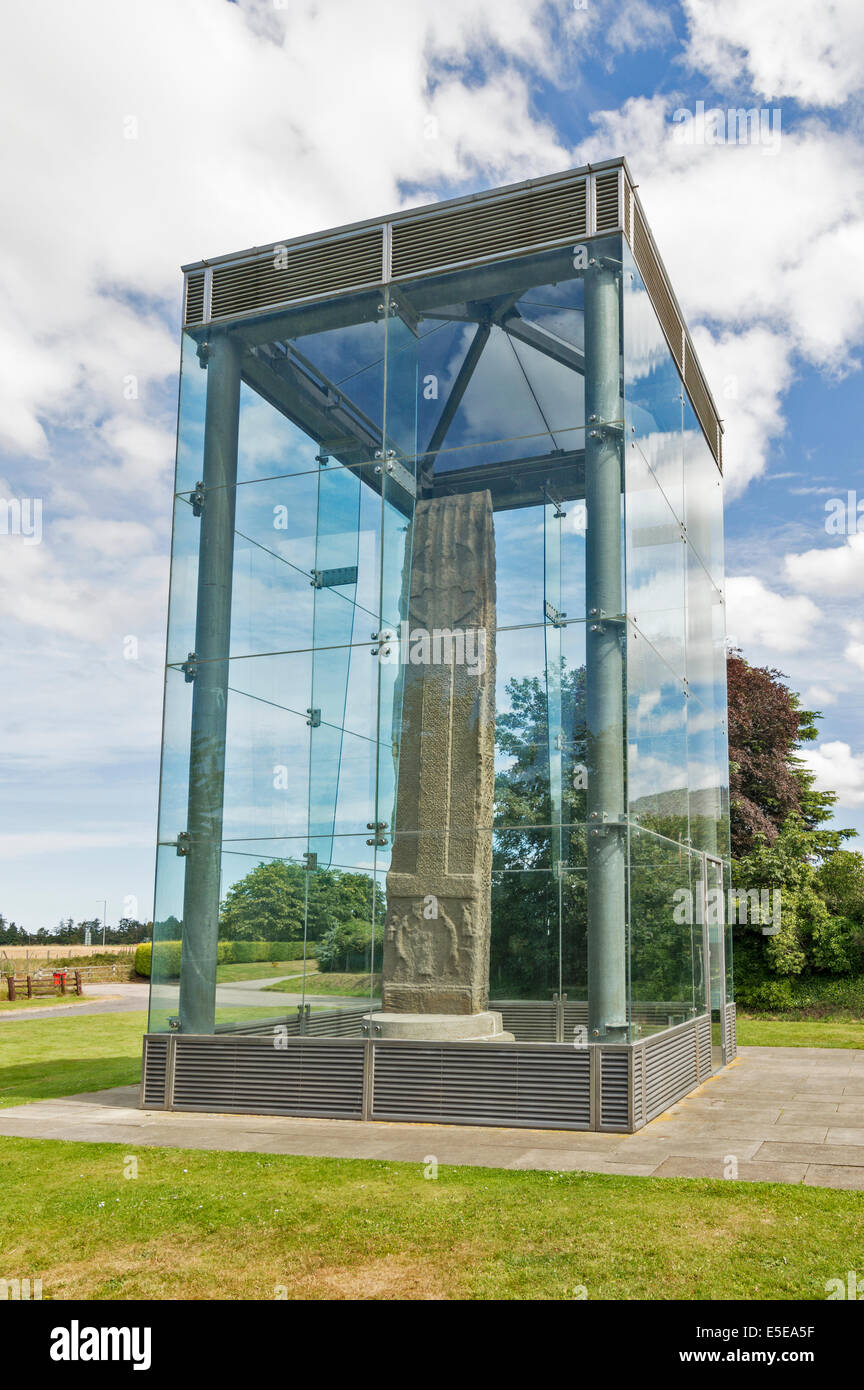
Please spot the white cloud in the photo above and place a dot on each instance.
(837, 769)
(758, 617)
(830, 569)
(787, 48)
(815, 696)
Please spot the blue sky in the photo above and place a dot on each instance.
(155, 132)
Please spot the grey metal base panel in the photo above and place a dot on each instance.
(283, 1070)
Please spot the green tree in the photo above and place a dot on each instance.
(272, 902)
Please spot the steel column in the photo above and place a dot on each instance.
(604, 694)
(210, 689)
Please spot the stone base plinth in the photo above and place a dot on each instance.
(480, 1027)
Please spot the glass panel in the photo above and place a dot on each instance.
(704, 498)
(488, 354)
(657, 741)
(655, 545)
(652, 389)
(167, 932)
(662, 933)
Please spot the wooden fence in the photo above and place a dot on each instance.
(36, 986)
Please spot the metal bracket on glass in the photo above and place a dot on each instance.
(605, 429)
(377, 826)
(557, 502)
(381, 637)
(203, 354)
(322, 459)
(396, 471)
(602, 619)
(310, 860)
(556, 618)
(174, 1023)
(184, 843)
(605, 263)
(197, 499)
(601, 821)
(190, 668)
(333, 579)
(314, 720)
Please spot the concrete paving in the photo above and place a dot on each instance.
(781, 1114)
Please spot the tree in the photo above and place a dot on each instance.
(768, 782)
(274, 899)
(526, 898)
(813, 937)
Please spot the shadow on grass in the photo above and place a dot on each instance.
(65, 1076)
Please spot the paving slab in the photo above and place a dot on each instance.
(687, 1166)
(847, 1155)
(828, 1175)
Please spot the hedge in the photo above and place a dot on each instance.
(229, 953)
(817, 993)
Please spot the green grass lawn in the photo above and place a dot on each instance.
(239, 1226)
(60, 1056)
(329, 982)
(757, 1031)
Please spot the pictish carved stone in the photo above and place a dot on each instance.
(436, 945)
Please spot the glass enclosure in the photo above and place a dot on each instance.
(445, 702)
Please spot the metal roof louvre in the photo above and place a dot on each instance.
(290, 273)
(194, 310)
(518, 223)
(607, 217)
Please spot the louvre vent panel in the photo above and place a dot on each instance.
(533, 218)
(615, 1090)
(606, 212)
(655, 283)
(731, 1039)
(638, 1087)
(155, 1071)
(296, 273)
(194, 298)
(628, 212)
(246, 1074)
(341, 1023)
(483, 1083)
(704, 1047)
(527, 1020)
(670, 1069)
(288, 1027)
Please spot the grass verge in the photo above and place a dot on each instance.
(757, 1030)
(48, 1001)
(247, 1226)
(329, 982)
